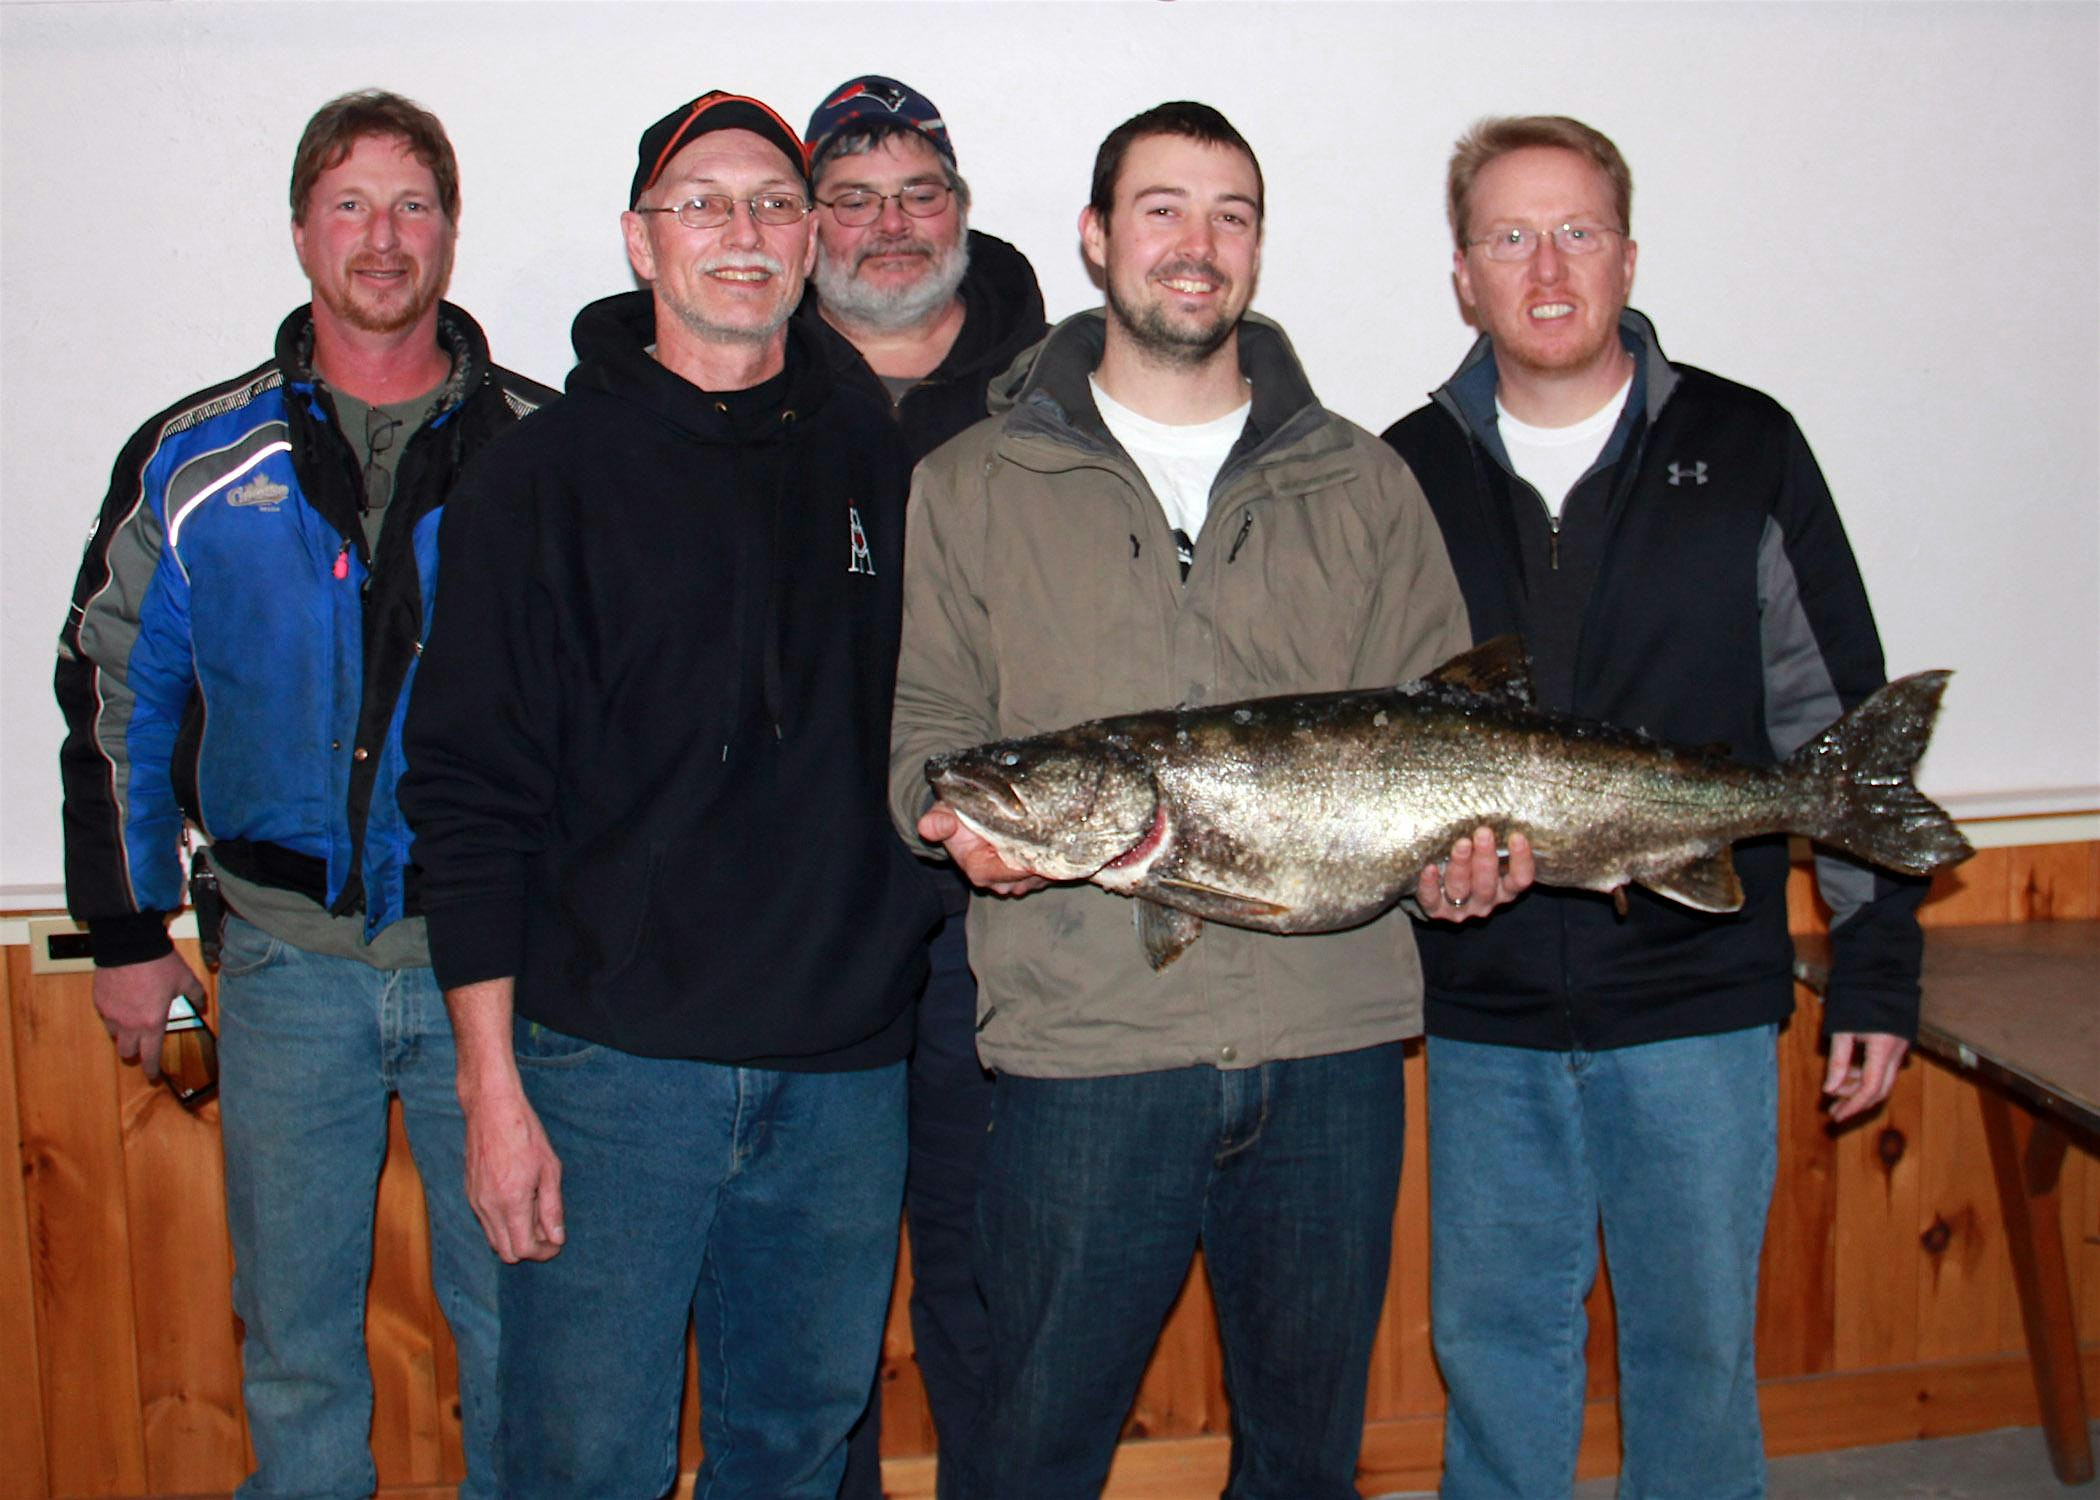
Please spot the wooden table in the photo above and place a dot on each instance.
(2019, 1006)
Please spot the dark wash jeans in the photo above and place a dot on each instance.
(1096, 1192)
(762, 1203)
(951, 1103)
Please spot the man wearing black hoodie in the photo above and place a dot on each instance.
(923, 312)
(678, 940)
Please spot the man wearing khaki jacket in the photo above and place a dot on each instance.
(1160, 512)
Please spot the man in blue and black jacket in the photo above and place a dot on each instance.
(1665, 544)
(239, 652)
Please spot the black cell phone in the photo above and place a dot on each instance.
(209, 904)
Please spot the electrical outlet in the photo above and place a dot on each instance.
(59, 946)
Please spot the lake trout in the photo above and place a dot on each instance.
(1316, 812)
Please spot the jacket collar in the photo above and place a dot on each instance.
(1045, 393)
(613, 336)
(458, 334)
(1003, 315)
(1469, 395)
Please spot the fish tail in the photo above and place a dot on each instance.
(1862, 767)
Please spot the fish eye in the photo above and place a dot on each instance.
(1010, 758)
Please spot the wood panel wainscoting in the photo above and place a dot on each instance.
(1888, 1310)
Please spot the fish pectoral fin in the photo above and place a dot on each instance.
(1229, 904)
(1165, 932)
(1707, 883)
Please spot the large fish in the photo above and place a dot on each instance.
(1311, 813)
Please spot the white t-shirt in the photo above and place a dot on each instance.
(1180, 463)
(1552, 459)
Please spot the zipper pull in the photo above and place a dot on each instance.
(1553, 544)
(1246, 525)
(342, 562)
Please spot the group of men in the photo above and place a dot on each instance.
(643, 803)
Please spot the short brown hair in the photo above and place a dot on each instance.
(1499, 135)
(1182, 117)
(341, 123)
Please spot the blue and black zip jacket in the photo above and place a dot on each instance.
(1697, 586)
(236, 654)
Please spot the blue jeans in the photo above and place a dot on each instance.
(951, 1104)
(309, 1049)
(762, 1204)
(1673, 1145)
(1094, 1195)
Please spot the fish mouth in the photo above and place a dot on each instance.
(993, 790)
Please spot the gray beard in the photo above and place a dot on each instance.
(854, 301)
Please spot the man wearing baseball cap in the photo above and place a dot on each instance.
(921, 311)
(677, 938)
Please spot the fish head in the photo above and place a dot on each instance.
(1063, 805)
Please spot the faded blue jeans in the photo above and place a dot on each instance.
(1673, 1145)
(764, 1205)
(1094, 1195)
(309, 1049)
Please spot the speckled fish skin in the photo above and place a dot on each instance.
(1312, 813)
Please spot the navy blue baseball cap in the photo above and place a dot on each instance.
(869, 98)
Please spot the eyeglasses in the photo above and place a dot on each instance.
(379, 442)
(712, 210)
(189, 1055)
(1523, 243)
(858, 206)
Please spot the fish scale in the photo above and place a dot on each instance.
(1314, 813)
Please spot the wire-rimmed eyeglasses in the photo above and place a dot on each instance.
(856, 207)
(1521, 242)
(712, 210)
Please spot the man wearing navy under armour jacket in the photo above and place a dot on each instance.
(921, 311)
(1665, 543)
(242, 640)
(677, 935)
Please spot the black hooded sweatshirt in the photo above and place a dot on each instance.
(646, 756)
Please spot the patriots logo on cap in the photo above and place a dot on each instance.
(888, 95)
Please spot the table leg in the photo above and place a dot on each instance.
(2026, 1153)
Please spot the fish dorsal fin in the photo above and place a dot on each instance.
(1707, 883)
(1493, 669)
(1165, 933)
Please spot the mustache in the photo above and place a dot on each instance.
(1189, 266)
(743, 260)
(909, 244)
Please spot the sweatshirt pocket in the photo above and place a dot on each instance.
(606, 902)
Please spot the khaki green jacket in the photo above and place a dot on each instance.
(1041, 589)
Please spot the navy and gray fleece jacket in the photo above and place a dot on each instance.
(1699, 587)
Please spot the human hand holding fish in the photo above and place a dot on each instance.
(973, 855)
(1474, 880)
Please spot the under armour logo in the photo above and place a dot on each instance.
(861, 560)
(1696, 473)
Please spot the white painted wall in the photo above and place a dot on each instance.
(1887, 215)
